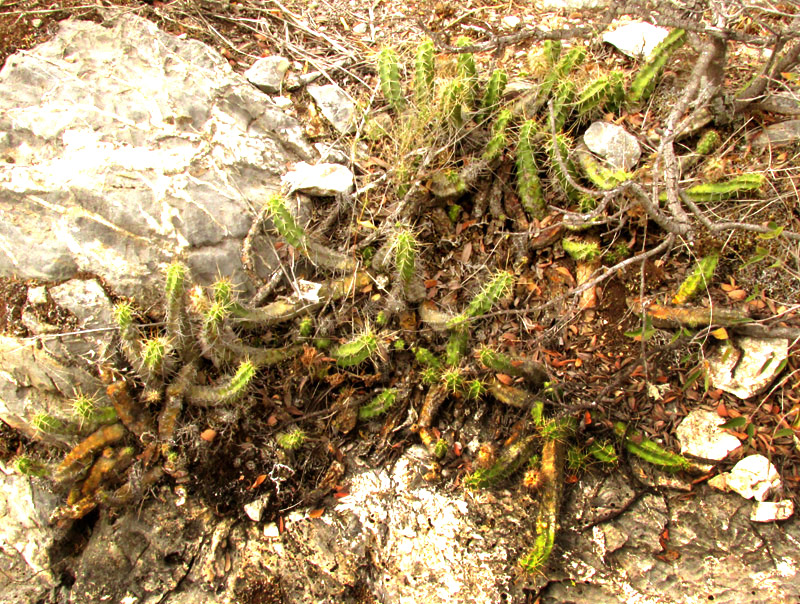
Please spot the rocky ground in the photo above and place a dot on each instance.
(368, 509)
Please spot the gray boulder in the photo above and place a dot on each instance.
(614, 144)
(122, 147)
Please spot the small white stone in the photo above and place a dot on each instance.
(37, 295)
(271, 531)
(319, 180)
(267, 73)
(745, 366)
(360, 29)
(282, 101)
(700, 435)
(511, 21)
(636, 39)
(770, 511)
(255, 509)
(754, 477)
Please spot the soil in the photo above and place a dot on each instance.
(602, 372)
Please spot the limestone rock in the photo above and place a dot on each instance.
(267, 73)
(24, 532)
(614, 144)
(745, 366)
(771, 511)
(700, 435)
(754, 477)
(319, 179)
(122, 147)
(335, 105)
(637, 39)
(33, 380)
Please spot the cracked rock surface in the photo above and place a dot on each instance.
(168, 152)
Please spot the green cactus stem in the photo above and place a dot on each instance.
(698, 280)
(466, 71)
(512, 458)
(492, 292)
(284, 221)
(379, 405)
(645, 81)
(562, 103)
(603, 452)
(529, 187)
(494, 92)
(720, 191)
(533, 373)
(292, 440)
(456, 345)
(560, 146)
(31, 467)
(230, 390)
(581, 251)
(648, 450)
(593, 95)
(452, 103)
(423, 74)
(498, 143)
(47, 424)
(602, 177)
(357, 350)
(389, 75)
(550, 481)
(708, 143)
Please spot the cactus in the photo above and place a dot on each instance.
(466, 71)
(497, 144)
(389, 74)
(494, 92)
(593, 95)
(223, 292)
(426, 357)
(47, 424)
(423, 73)
(475, 389)
(645, 81)
(378, 405)
(698, 280)
(229, 390)
(452, 109)
(721, 191)
(357, 350)
(453, 379)
(616, 92)
(648, 450)
(532, 372)
(568, 62)
(178, 328)
(456, 346)
(87, 409)
(552, 51)
(492, 291)
(529, 187)
(291, 441)
(600, 176)
(306, 327)
(513, 458)
(603, 452)
(561, 145)
(284, 221)
(708, 143)
(562, 103)
(581, 251)
(405, 253)
(96, 441)
(154, 354)
(30, 467)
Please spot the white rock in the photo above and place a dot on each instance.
(255, 509)
(754, 477)
(770, 511)
(360, 29)
(749, 367)
(636, 39)
(700, 435)
(267, 73)
(614, 144)
(320, 179)
(511, 21)
(282, 101)
(335, 105)
(37, 295)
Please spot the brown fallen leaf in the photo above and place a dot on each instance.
(316, 513)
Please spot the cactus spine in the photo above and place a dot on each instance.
(466, 70)
(721, 191)
(698, 280)
(593, 95)
(229, 390)
(284, 221)
(357, 350)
